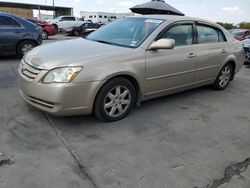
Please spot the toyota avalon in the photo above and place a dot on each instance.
(126, 62)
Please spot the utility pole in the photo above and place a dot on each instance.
(53, 9)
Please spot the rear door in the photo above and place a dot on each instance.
(10, 33)
(212, 52)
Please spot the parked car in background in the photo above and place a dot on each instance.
(17, 35)
(82, 29)
(240, 34)
(63, 22)
(128, 61)
(48, 29)
(247, 50)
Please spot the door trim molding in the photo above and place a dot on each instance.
(180, 73)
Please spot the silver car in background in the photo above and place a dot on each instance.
(126, 62)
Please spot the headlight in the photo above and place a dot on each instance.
(62, 75)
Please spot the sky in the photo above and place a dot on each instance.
(232, 11)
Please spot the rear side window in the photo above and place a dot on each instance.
(68, 19)
(6, 21)
(247, 33)
(182, 34)
(208, 34)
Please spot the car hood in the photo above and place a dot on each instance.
(75, 52)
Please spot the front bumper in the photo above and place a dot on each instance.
(64, 99)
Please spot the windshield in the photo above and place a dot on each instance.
(127, 32)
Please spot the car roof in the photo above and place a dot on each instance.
(173, 18)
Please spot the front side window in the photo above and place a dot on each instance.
(208, 34)
(6, 21)
(68, 19)
(127, 32)
(182, 34)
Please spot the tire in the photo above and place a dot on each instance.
(56, 27)
(76, 33)
(114, 100)
(224, 77)
(24, 47)
(45, 35)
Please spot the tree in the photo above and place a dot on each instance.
(244, 25)
(227, 25)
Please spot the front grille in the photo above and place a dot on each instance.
(29, 71)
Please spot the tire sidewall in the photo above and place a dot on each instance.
(76, 33)
(217, 85)
(99, 110)
(46, 35)
(19, 47)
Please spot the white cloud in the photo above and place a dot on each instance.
(126, 3)
(230, 9)
(78, 1)
(99, 1)
(233, 10)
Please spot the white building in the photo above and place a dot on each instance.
(103, 17)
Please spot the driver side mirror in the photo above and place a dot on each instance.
(162, 44)
(60, 20)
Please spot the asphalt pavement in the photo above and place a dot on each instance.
(195, 139)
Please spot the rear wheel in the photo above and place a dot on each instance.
(56, 27)
(115, 100)
(224, 77)
(24, 47)
(45, 35)
(76, 33)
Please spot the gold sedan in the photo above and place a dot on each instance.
(126, 62)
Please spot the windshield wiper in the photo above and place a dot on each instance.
(104, 42)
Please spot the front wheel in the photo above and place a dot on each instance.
(24, 47)
(224, 77)
(76, 33)
(114, 100)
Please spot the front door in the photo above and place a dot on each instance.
(10, 34)
(172, 69)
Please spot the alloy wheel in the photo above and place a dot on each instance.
(225, 76)
(26, 48)
(44, 35)
(117, 101)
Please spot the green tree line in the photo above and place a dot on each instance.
(242, 25)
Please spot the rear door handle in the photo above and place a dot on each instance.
(223, 51)
(191, 55)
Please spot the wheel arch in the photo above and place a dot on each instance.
(19, 42)
(56, 27)
(233, 64)
(131, 78)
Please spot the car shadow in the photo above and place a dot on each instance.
(9, 57)
(147, 109)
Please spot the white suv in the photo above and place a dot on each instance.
(63, 22)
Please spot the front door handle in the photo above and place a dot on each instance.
(191, 55)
